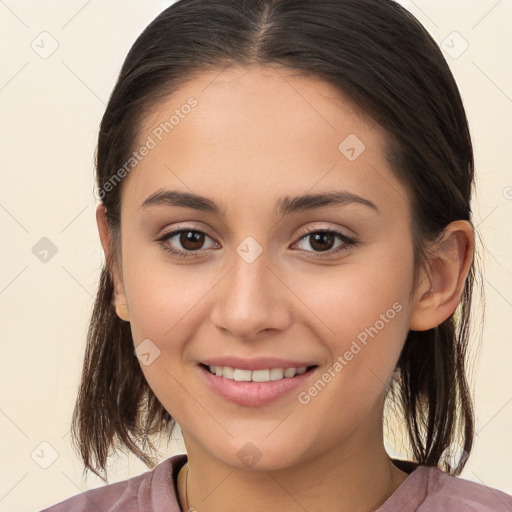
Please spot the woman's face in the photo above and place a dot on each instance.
(254, 290)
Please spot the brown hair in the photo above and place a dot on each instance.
(381, 57)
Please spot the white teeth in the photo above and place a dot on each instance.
(289, 372)
(276, 374)
(241, 375)
(256, 375)
(260, 375)
(227, 372)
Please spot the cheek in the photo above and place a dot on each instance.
(364, 313)
(357, 297)
(162, 295)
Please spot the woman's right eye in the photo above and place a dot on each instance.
(191, 240)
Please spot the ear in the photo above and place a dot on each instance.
(439, 293)
(106, 242)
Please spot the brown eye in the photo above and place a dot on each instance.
(191, 240)
(185, 242)
(322, 241)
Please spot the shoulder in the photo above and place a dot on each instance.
(459, 494)
(429, 489)
(151, 490)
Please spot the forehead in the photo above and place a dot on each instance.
(256, 131)
(256, 100)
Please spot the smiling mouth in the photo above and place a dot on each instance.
(266, 375)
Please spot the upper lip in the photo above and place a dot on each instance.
(260, 363)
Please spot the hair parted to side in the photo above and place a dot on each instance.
(380, 57)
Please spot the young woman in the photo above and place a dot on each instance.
(285, 212)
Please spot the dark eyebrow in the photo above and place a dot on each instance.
(306, 202)
(285, 205)
(185, 199)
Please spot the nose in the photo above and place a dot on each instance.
(252, 297)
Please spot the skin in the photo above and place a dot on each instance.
(256, 135)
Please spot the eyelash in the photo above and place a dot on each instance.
(348, 242)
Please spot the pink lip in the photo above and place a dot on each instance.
(254, 394)
(260, 363)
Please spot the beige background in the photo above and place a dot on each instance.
(50, 109)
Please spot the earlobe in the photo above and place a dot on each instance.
(106, 241)
(122, 312)
(439, 293)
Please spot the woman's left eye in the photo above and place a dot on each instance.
(192, 241)
(322, 239)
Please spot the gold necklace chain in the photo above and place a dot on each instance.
(186, 488)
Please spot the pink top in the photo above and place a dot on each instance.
(426, 489)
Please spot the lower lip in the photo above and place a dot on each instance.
(254, 394)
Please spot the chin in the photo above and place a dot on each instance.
(260, 455)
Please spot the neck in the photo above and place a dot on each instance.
(341, 480)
